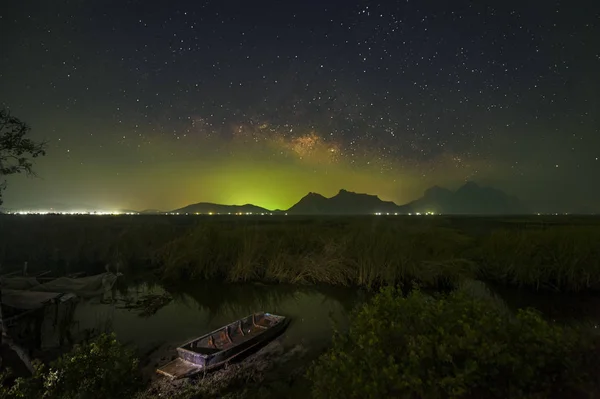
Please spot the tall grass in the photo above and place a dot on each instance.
(369, 252)
(301, 254)
(558, 258)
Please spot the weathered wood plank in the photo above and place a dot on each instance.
(179, 368)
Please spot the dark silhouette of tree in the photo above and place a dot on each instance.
(16, 151)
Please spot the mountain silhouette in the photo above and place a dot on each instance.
(310, 204)
(343, 203)
(469, 199)
(207, 207)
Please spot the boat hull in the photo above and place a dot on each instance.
(191, 362)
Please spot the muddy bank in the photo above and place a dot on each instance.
(273, 371)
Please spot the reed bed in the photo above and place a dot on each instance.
(369, 251)
(557, 258)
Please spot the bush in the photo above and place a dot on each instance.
(452, 346)
(102, 368)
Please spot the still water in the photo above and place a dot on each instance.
(194, 309)
(199, 308)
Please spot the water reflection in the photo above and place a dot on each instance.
(201, 307)
(197, 308)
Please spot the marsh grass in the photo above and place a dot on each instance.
(557, 258)
(368, 252)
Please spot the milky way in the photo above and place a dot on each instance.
(158, 104)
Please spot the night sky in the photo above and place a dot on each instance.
(151, 104)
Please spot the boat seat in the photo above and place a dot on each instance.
(206, 351)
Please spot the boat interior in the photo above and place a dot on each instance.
(233, 334)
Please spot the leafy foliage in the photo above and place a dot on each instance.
(452, 346)
(15, 149)
(100, 369)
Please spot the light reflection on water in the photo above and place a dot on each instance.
(199, 308)
(202, 307)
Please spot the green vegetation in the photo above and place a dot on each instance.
(460, 342)
(102, 368)
(365, 251)
(464, 343)
(454, 346)
(16, 150)
(563, 258)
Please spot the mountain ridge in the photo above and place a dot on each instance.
(468, 199)
(209, 207)
(343, 203)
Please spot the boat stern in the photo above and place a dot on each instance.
(179, 368)
(196, 358)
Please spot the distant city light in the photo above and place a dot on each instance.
(114, 213)
(94, 213)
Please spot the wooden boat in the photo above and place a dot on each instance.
(224, 345)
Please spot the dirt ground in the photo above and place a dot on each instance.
(273, 371)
